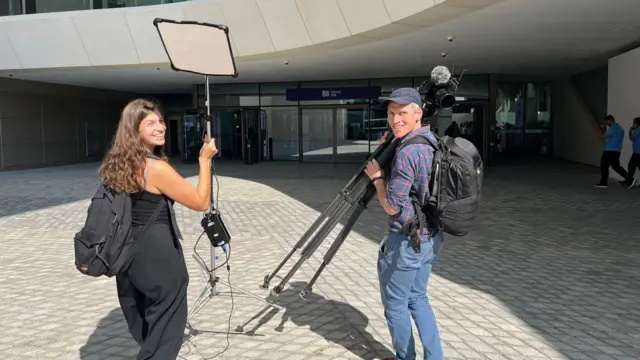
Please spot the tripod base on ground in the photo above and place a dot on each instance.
(209, 292)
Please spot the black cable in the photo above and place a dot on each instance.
(232, 305)
(226, 262)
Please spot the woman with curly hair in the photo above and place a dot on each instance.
(153, 290)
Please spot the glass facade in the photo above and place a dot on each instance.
(108, 4)
(332, 130)
(522, 119)
(10, 7)
(20, 7)
(49, 6)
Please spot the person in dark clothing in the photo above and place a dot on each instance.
(452, 130)
(153, 290)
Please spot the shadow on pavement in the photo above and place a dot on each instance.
(335, 321)
(550, 253)
(111, 330)
(37, 189)
(551, 265)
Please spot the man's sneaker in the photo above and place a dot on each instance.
(633, 183)
(601, 186)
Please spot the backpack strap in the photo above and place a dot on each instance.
(421, 220)
(154, 216)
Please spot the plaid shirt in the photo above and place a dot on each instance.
(411, 169)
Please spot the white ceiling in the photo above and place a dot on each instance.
(550, 37)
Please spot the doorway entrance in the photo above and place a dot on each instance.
(470, 117)
(337, 135)
(239, 134)
(190, 134)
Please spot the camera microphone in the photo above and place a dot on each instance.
(439, 91)
(440, 75)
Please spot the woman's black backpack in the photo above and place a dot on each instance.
(104, 245)
(455, 187)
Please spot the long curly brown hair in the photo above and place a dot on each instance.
(123, 164)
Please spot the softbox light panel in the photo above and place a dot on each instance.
(197, 47)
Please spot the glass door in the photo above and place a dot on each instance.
(317, 134)
(467, 120)
(352, 134)
(251, 136)
(225, 127)
(192, 136)
(234, 129)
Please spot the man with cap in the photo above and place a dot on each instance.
(403, 273)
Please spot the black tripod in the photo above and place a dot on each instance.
(354, 197)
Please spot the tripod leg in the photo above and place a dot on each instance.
(314, 244)
(335, 203)
(340, 239)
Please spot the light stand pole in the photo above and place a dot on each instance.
(205, 49)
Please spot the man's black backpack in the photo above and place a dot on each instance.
(455, 187)
(104, 245)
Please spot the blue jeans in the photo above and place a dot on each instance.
(403, 276)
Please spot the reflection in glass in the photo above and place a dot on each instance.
(378, 124)
(10, 7)
(537, 136)
(317, 135)
(282, 127)
(469, 119)
(109, 4)
(510, 112)
(276, 100)
(352, 135)
(232, 89)
(49, 6)
(277, 88)
(231, 101)
(388, 85)
(523, 118)
(192, 141)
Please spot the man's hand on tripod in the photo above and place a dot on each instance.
(383, 139)
(373, 170)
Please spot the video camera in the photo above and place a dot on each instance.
(439, 91)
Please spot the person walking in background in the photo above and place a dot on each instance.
(634, 161)
(613, 134)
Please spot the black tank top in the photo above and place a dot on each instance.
(144, 204)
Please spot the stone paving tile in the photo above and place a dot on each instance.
(550, 271)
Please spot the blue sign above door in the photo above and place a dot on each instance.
(343, 93)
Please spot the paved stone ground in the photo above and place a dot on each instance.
(551, 271)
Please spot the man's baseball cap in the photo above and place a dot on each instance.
(402, 96)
